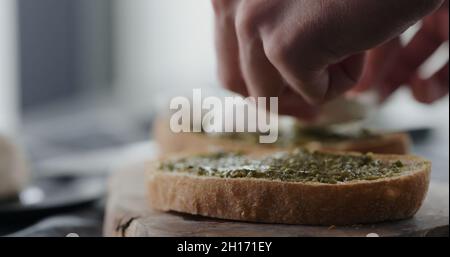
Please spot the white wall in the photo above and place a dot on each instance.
(8, 67)
(163, 48)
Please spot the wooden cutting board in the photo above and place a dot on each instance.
(129, 215)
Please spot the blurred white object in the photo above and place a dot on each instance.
(13, 172)
(163, 49)
(98, 162)
(8, 68)
(344, 110)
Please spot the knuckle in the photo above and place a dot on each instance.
(277, 51)
(282, 47)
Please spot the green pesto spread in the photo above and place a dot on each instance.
(302, 135)
(299, 165)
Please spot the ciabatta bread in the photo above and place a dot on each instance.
(169, 142)
(275, 201)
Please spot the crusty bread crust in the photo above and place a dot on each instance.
(392, 143)
(269, 201)
(169, 142)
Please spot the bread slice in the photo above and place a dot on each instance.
(310, 203)
(169, 142)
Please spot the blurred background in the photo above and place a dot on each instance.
(85, 75)
(79, 75)
(81, 80)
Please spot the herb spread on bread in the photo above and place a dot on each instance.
(300, 165)
(302, 135)
(306, 134)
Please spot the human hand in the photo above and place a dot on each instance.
(392, 65)
(305, 52)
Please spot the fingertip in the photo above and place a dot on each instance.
(428, 91)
